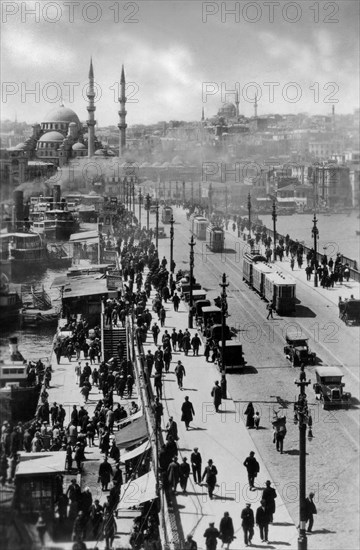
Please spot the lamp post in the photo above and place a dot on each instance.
(274, 218)
(303, 417)
(315, 234)
(129, 195)
(126, 193)
(133, 194)
(147, 206)
(157, 226)
(172, 221)
(140, 201)
(249, 210)
(191, 244)
(224, 306)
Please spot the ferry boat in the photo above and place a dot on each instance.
(18, 401)
(10, 299)
(21, 252)
(52, 220)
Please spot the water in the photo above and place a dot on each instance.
(337, 232)
(34, 343)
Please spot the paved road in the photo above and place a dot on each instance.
(268, 380)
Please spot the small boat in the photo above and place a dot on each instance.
(10, 300)
(40, 311)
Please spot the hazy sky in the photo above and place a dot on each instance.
(297, 56)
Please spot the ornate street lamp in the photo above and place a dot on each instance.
(274, 218)
(191, 244)
(224, 308)
(172, 221)
(302, 416)
(157, 226)
(315, 235)
(147, 208)
(140, 201)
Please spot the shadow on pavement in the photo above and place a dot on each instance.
(322, 532)
(293, 452)
(304, 311)
(249, 369)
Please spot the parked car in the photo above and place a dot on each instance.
(349, 312)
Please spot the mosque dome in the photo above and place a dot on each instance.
(52, 136)
(78, 146)
(63, 114)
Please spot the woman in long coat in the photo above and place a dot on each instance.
(250, 412)
(226, 529)
(216, 394)
(187, 411)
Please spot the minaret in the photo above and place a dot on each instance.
(91, 110)
(122, 114)
(333, 119)
(202, 115)
(237, 103)
(255, 106)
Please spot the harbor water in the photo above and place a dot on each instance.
(337, 232)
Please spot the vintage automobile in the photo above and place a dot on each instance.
(234, 358)
(329, 388)
(349, 312)
(298, 352)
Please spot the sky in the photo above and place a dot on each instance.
(179, 56)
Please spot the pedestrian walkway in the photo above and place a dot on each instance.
(221, 437)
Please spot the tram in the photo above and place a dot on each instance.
(199, 226)
(274, 286)
(166, 214)
(215, 238)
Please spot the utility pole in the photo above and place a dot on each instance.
(183, 191)
(303, 417)
(224, 308)
(133, 194)
(274, 218)
(191, 244)
(172, 221)
(315, 234)
(157, 226)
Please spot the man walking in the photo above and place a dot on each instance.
(310, 511)
(195, 343)
(210, 474)
(216, 394)
(187, 412)
(262, 520)
(180, 373)
(211, 535)
(269, 495)
(253, 468)
(269, 308)
(196, 461)
(247, 524)
(184, 474)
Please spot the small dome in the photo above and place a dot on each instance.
(52, 136)
(63, 114)
(78, 146)
(19, 146)
(177, 161)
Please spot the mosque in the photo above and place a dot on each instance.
(62, 137)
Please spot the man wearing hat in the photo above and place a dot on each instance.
(211, 535)
(196, 461)
(310, 511)
(247, 516)
(269, 495)
(263, 520)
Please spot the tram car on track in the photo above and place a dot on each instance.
(199, 226)
(275, 287)
(215, 238)
(166, 214)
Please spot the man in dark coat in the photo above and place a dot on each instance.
(226, 529)
(195, 343)
(253, 468)
(173, 472)
(269, 495)
(105, 473)
(187, 412)
(211, 535)
(176, 302)
(180, 373)
(184, 474)
(216, 394)
(210, 474)
(247, 516)
(263, 520)
(310, 511)
(196, 461)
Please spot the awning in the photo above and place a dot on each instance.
(131, 434)
(135, 452)
(130, 418)
(137, 491)
(84, 236)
